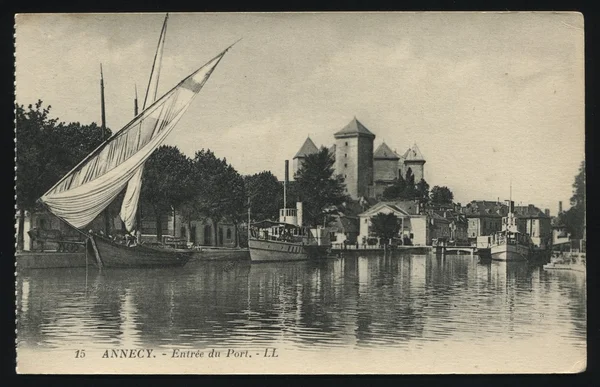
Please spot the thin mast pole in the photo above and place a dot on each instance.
(135, 102)
(102, 104)
(105, 214)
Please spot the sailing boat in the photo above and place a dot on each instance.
(85, 191)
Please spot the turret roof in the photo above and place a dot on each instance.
(308, 148)
(354, 129)
(413, 154)
(384, 152)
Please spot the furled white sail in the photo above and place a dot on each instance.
(129, 206)
(95, 182)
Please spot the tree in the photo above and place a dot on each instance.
(220, 191)
(422, 191)
(574, 218)
(396, 190)
(441, 195)
(168, 182)
(385, 226)
(46, 151)
(407, 189)
(265, 193)
(317, 187)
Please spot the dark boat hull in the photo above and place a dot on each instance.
(271, 251)
(112, 255)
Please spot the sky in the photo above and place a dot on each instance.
(491, 99)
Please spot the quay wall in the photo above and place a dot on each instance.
(48, 260)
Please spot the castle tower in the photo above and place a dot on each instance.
(385, 164)
(306, 149)
(414, 161)
(354, 158)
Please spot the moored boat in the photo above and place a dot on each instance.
(108, 253)
(510, 244)
(288, 239)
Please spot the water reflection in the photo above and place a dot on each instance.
(346, 302)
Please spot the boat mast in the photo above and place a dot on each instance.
(135, 102)
(138, 215)
(105, 214)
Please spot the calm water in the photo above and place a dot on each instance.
(357, 303)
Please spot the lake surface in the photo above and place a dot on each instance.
(417, 306)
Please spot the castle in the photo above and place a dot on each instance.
(366, 172)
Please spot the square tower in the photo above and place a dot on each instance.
(354, 158)
(414, 162)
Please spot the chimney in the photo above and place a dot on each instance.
(560, 207)
(285, 182)
(547, 212)
(299, 213)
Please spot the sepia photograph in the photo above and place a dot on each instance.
(300, 193)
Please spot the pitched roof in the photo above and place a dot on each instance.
(405, 207)
(529, 211)
(308, 148)
(354, 129)
(485, 208)
(413, 154)
(384, 152)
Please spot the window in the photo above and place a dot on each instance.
(345, 154)
(366, 220)
(346, 143)
(345, 165)
(228, 233)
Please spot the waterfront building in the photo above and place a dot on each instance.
(415, 226)
(531, 220)
(484, 217)
(197, 232)
(457, 223)
(343, 229)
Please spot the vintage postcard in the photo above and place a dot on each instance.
(306, 193)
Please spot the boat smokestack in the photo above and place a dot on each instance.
(285, 182)
(299, 213)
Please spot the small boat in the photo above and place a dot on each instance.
(567, 260)
(510, 244)
(117, 165)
